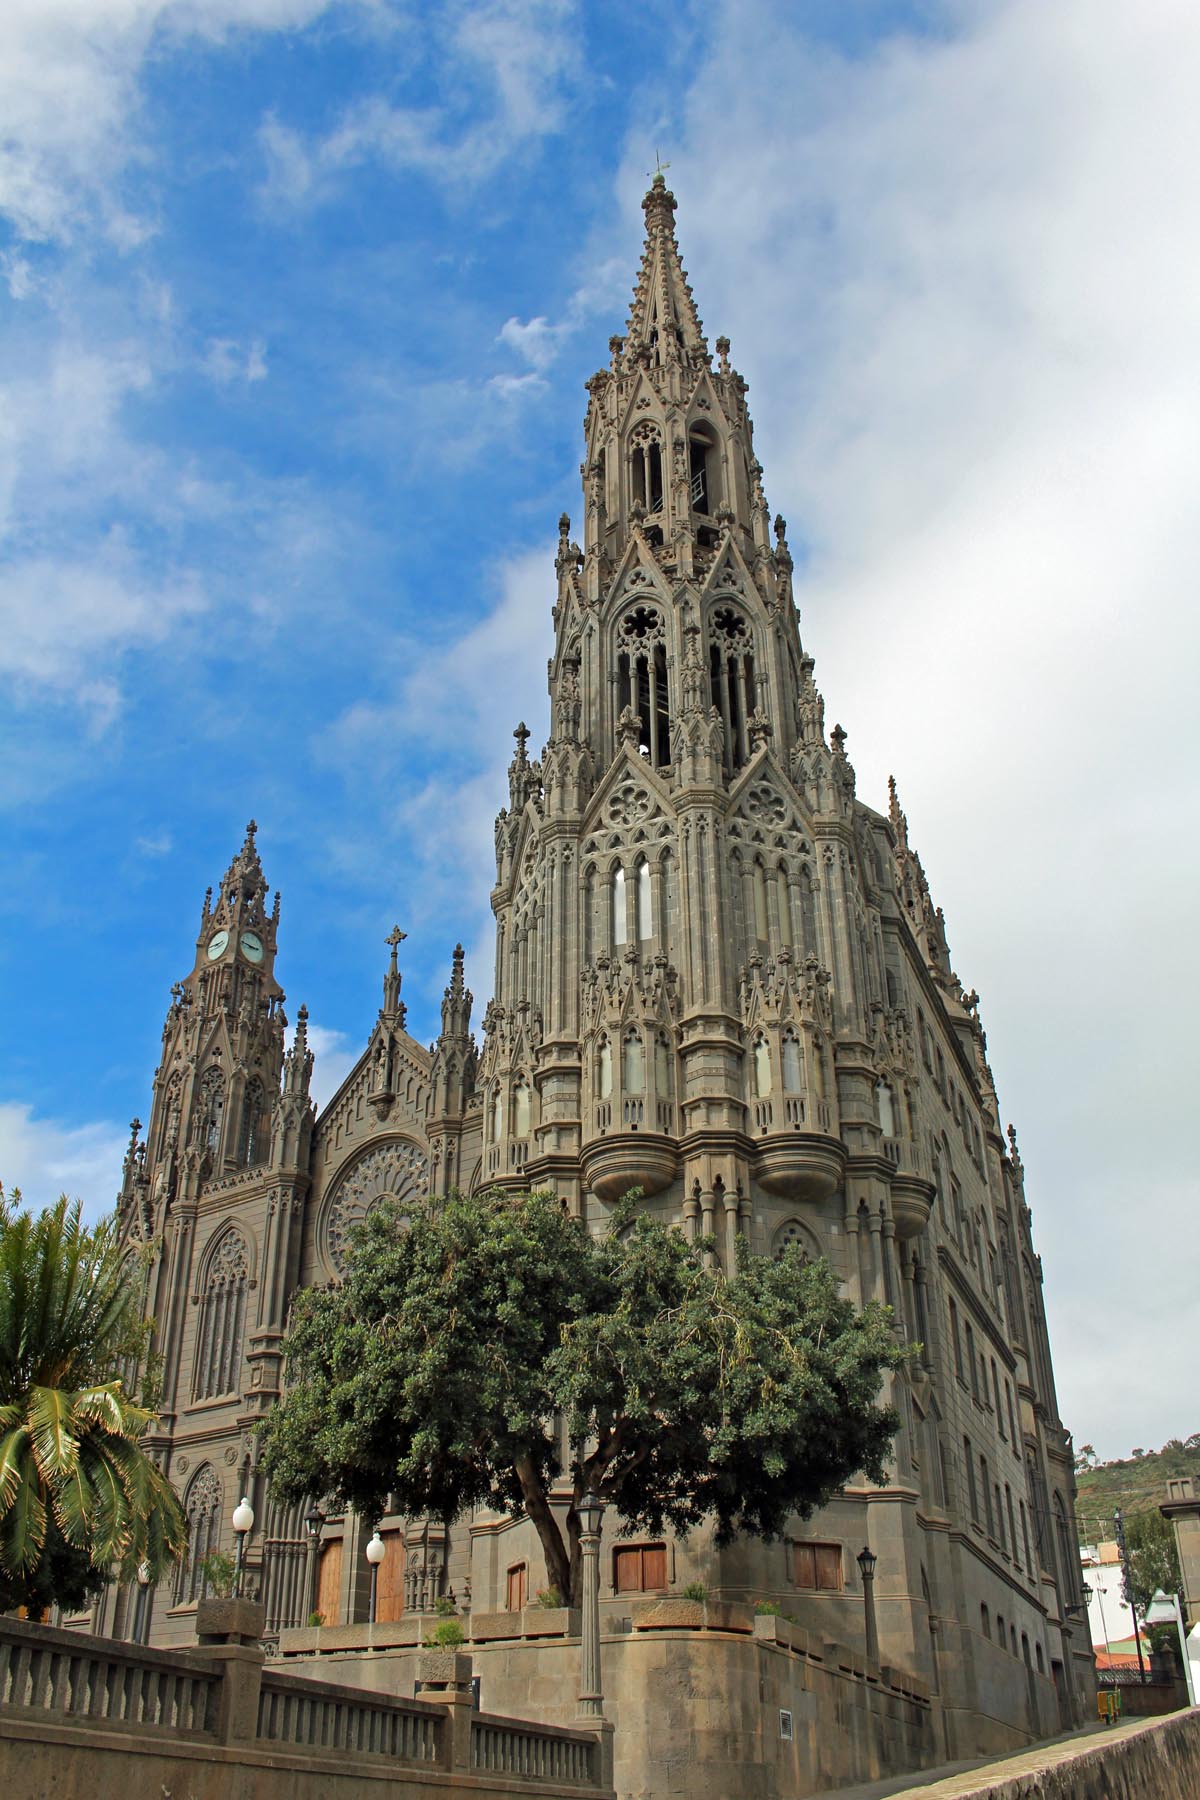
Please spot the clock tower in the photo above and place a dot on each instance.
(216, 1103)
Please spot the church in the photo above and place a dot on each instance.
(720, 978)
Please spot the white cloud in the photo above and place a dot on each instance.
(970, 337)
(69, 99)
(535, 342)
(505, 67)
(227, 361)
(45, 1158)
(159, 843)
(59, 615)
(333, 1059)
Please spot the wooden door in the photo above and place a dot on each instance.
(516, 1587)
(389, 1590)
(329, 1582)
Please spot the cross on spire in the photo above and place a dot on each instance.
(395, 937)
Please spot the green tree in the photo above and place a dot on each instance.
(1153, 1564)
(436, 1369)
(78, 1496)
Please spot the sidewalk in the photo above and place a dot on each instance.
(956, 1781)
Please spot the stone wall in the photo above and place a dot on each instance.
(1143, 1760)
(698, 1696)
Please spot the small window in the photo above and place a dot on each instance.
(817, 1567)
(645, 911)
(762, 1068)
(984, 1622)
(517, 1587)
(640, 1568)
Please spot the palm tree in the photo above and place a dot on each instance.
(79, 1498)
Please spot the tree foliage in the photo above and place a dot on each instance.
(439, 1371)
(1153, 1558)
(78, 1495)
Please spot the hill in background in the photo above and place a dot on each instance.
(1136, 1483)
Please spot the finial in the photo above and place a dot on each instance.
(838, 736)
(564, 525)
(723, 353)
(522, 735)
(251, 829)
(391, 981)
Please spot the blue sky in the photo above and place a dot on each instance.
(296, 305)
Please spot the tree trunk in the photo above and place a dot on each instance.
(558, 1563)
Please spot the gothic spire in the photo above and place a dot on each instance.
(298, 1063)
(663, 318)
(456, 1001)
(392, 1007)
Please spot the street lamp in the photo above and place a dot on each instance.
(590, 1513)
(141, 1621)
(866, 1560)
(314, 1525)
(376, 1551)
(243, 1525)
(1164, 1610)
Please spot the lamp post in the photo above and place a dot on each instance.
(866, 1560)
(243, 1525)
(314, 1525)
(376, 1551)
(590, 1513)
(1164, 1610)
(141, 1619)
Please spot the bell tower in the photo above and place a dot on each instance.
(670, 871)
(216, 1098)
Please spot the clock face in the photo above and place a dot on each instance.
(252, 947)
(216, 944)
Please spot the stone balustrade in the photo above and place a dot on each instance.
(534, 1752)
(89, 1702)
(127, 1685)
(323, 1716)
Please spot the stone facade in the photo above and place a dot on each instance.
(720, 977)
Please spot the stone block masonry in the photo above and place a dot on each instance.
(1157, 1760)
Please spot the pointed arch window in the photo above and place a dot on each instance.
(642, 680)
(762, 1067)
(497, 1114)
(633, 1063)
(212, 1108)
(645, 905)
(222, 1318)
(793, 1076)
(619, 917)
(761, 928)
(202, 1507)
(731, 678)
(702, 469)
(662, 1066)
(819, 1070)
(645, 469)
(604, 1069)
(521, 1109)
(250, 1144)
(885, 1108)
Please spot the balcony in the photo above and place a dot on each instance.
(621, 1160)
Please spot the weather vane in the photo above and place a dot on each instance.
(660, 167)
